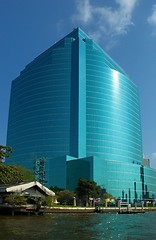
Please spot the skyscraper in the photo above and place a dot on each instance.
(74, 106)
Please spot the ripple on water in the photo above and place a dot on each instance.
(79, 227)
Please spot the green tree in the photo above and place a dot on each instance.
(65, 197)
(87, 189)
(14, 174)
(107, 197)
(4, 152)
(25, 174)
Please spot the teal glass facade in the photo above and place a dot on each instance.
(77, 108)
(113, 114)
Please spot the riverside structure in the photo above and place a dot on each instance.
(74, 106)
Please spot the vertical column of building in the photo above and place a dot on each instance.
(78, 99)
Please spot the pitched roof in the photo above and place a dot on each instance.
(24, 186)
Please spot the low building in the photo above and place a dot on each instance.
(34, 189)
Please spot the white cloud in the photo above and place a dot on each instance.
(105, 22)
(84, 11)
(152, 18)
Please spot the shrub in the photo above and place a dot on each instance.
(15, 199)
(50, 201)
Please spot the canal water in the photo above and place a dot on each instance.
(79, 226)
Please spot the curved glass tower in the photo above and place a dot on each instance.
(74, 106)
(113, 113)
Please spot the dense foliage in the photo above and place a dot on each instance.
(50, 201)
(19, 199)
(15, 199)
(13, 174)
(107, 198)
(87, 189)
(65, 197)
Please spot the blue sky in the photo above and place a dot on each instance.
(125, 29)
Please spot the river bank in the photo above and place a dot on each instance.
(96, 210)
(32, 210)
